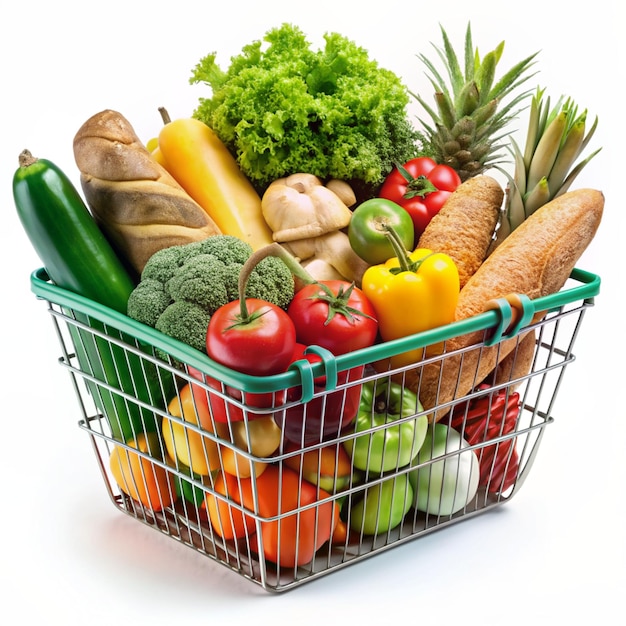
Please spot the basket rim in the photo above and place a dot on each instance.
(586, 288)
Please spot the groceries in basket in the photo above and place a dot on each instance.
(270, 340)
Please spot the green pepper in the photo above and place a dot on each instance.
(385, 446)
(369, 224)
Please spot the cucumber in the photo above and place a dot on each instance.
(73, 249)
(77, 257)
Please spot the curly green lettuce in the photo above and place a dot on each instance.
(283, 108)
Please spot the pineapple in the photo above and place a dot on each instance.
(469, 122)
(547, 167)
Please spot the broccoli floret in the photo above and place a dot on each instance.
(186, 322)
(271, 281)
(163, 264)
(182, 286)
(147, 301)
(200, 280)
(226, 248)
(231, 280)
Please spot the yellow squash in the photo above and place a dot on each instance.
(196, 157)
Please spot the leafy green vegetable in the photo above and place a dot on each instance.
(285, 108)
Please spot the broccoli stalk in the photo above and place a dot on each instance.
(182, 286)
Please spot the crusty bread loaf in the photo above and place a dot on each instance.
(135, 201)
(517, 363)
(464, 227)
(536, 259)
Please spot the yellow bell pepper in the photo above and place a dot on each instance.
(411, 293)
(196, 157)
(199, 452)
(224, 446)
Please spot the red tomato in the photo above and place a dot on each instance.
(421, 187)
(335, 315)
(260, 345)
(324, 417)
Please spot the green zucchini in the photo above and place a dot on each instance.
(78, 257)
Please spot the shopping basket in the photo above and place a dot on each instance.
(175, 433)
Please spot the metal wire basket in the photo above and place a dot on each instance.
(287, 478)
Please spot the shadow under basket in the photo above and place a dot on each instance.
(287, 478)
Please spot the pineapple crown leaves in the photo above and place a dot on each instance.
(472, 92)
(471, 88)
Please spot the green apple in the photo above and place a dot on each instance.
(383, 506)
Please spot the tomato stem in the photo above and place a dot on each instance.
(337, 303)
(419, 186)
(275, 250)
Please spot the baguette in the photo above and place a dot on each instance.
(464, 227)
(536, 259)
(517, 363)
(138, 205)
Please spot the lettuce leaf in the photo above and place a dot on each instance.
(281, 107)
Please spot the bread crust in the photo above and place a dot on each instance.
(464, 227)
(536, 259)
(517, 363)
(139, 206)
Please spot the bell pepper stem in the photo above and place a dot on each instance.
(406, 263)
(165, 116)
(398, 248)
(26, 158)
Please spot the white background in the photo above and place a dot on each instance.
(553, 554)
